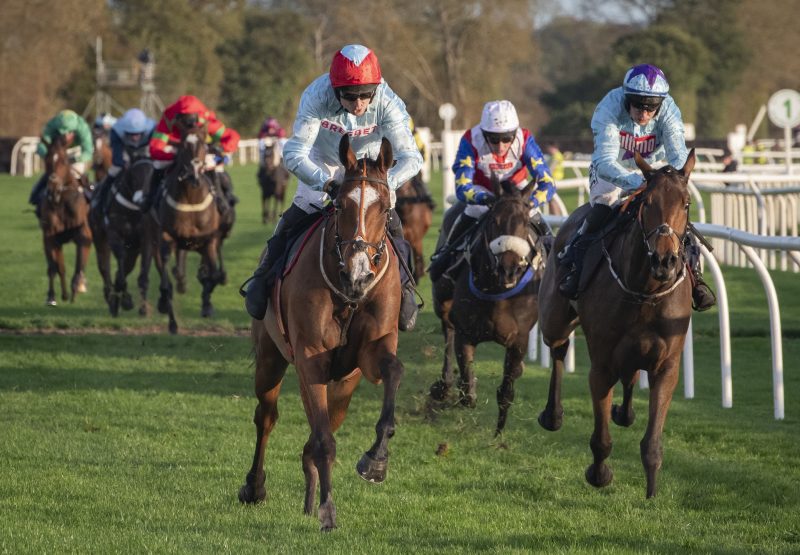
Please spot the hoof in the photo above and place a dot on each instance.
(621, 418)
(327, 516)
(51, 301)
(207, 311)
(180, 287)
(163, 305)
(439, 390)
(127, 301)
(372, 470)
(144, 310)
(113, 305)
(223, 278)
(81, 288)
(551, 422)
(250, 495)
(599, 476)
(173, 328)
(468, 400)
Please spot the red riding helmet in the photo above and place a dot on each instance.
(355, 65)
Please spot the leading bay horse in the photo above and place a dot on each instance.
(492, 296)
(415, 207)
(335, 317)
(64, 218)
(185, 217)
(634, 310)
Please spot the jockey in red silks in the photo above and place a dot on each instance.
(189, 111)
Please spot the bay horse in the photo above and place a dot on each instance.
(118, 228)
(335, 317)
(492, 296)
(273, 179)
(634, 308)
(101, 157)
(185, 217)
(415, 207)
(64, 218)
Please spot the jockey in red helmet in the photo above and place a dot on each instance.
(351, 98)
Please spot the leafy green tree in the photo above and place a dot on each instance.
(266, 68)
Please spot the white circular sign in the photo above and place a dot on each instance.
(447, 111)
(784, 108)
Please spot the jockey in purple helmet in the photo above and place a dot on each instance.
(640, 116)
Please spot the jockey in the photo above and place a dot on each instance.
(496, 148)
(80, 146)
(130, 138)
(351, 98)
(271, 129)
(640, 116)
(103, 124)
(188, 112)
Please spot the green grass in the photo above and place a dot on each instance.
(137, 441)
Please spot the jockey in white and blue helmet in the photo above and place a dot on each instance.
(640, 116)
(130, 136)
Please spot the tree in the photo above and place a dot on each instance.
(266, 68)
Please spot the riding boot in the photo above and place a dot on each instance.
(442, 259)
(259, 285)
(226, 185)
(155, 188)
(37, 193)
(703, 297)
(573, 253)
(101, 192)
(408, 305)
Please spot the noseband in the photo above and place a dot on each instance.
(359, 243)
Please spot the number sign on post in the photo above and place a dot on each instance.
(783, 109)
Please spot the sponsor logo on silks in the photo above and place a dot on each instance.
(500, 166)
(335, 128)
(643, 145)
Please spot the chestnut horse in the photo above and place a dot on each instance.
(634, 310)
(415, 207)
(493, 297)
(273, 179)
(118, 228)
(334, 316)
(64, 217)
(185, 217)
(101, 158)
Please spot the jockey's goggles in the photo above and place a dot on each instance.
(497, 138)
(352, 97)
(645, 106)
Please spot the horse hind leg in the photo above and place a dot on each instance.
(270, 369)
(467, 384)
(552, 417)
(512, 370)
(598, 473)
(441, 387)
(623, 415)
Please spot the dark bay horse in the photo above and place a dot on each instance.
(634, 309)
(185, 217)
(64, 218)
(273, 178)
(415, 207)
(335, 317)
(118, 228)
(493, 297)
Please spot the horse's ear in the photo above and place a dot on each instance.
(646, 168)
(526, 192)
(497, 188)
(689, 165)
(508, 187)
(385, 157)
(346, 154)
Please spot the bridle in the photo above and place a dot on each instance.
(494, 250)
(662, 230)
(359, 244)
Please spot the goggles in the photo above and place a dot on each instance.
(497, 138)
(645, 106)
(352, 97)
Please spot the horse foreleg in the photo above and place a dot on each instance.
(662, 386)
(104, 263)
(321, 446)
(129, 262)
(62, 272)
(465, 354)
(144, 275)
(623, 415)
(601, 385)
(84, 248)
(442, 386)
(179, 271)
(552, 416)
(50, 250)
(118, 248)
(165, 286)
(512, 369)
(208, 275)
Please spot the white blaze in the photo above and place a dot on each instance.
(370, 196)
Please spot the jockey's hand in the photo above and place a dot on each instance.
(332, 188)
(222, 158)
